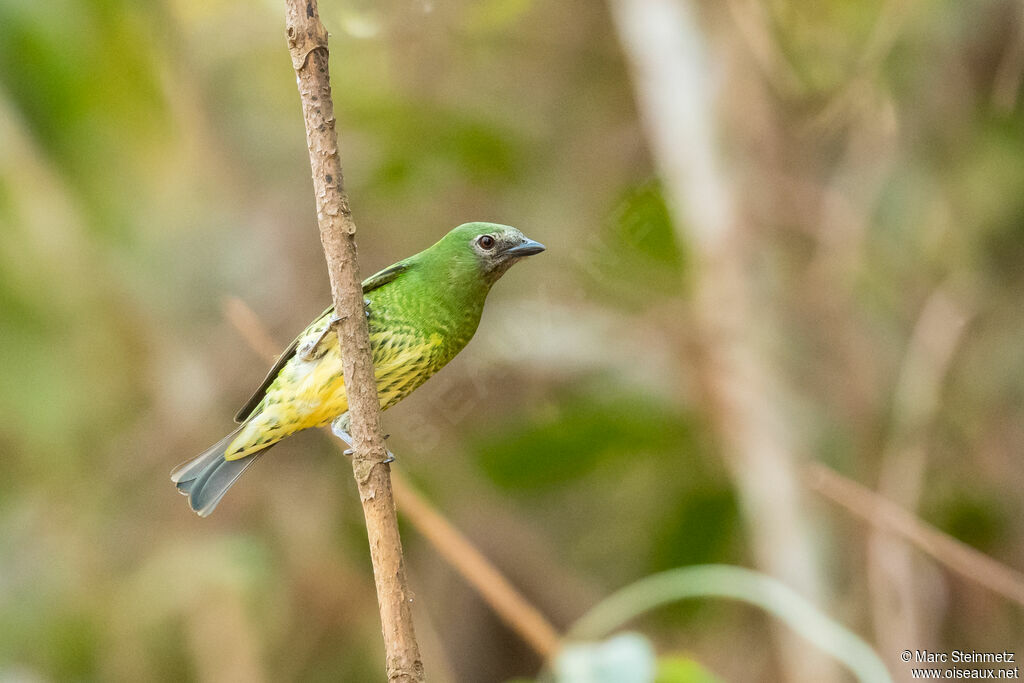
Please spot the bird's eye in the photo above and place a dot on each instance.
(486, 242)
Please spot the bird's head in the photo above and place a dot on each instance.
(488, 248)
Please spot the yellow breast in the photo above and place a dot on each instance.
(311, 393)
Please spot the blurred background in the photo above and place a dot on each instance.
(779, 233)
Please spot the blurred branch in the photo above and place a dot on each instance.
(453, 547)
(754, 27)
(307, 44)
(855, 95)
(666, 53)
(916, 396)
(850, 195)
(247, 323)
(1011, 67)
(885, 515)
(493, 587)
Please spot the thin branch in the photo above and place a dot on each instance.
(851, 97)
(916, 399)
(1011, 68)
(753, 24)
(885, 515)
(250, 327)
(307, 44)
(450, 543)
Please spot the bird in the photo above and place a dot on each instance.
(421, 312)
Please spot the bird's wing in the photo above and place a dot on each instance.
(385, 276)
(369, 284)
(282, 360)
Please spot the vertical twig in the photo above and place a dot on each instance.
(1010, 73)
(917, 397)
(666, 53)
(307, 43)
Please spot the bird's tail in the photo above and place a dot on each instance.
(207, 477)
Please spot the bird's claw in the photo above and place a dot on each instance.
(390, 459)
(307, 352)
(339, 429)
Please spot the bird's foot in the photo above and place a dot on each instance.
(307, 351)
(340, 427)
(391, 456)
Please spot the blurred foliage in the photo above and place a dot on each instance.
(152, 162)
(625, 658)
(682, 670)
(420, 142)
(552, 448)
(637, 241)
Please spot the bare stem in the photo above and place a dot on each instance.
(883, 514)
(899, 616)
(307, 43)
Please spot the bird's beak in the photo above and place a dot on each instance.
(527, 247)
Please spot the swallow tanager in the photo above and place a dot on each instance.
(421, 312)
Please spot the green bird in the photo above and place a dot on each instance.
(421, 312)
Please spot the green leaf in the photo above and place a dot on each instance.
(679, 669)
(625, 658)
(698, 529)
